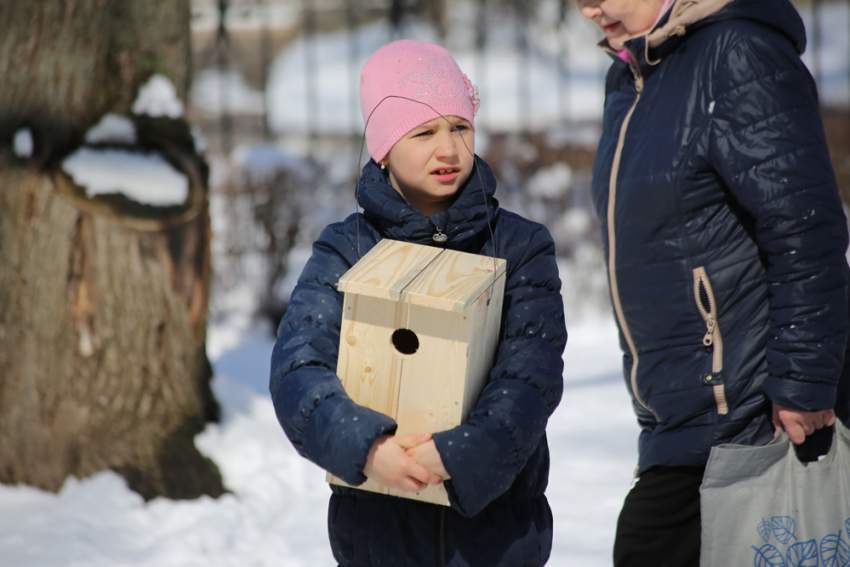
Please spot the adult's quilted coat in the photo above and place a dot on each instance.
(724, 233)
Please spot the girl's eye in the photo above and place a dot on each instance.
(460, 128)
(425, 133)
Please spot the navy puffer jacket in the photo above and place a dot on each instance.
(724, 232)
(498, 460)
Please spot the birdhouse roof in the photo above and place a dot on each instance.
(442, 279)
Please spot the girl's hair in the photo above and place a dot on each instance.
(407, 83)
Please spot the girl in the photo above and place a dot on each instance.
(725, 238)
(425, 185)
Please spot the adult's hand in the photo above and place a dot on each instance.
(389, 465)
(798, 424)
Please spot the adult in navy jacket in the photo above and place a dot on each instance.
(725, 241)
(499, 459)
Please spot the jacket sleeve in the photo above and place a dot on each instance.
(321, 421)
(486, 454)
(768, 145)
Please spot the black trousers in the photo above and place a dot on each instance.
(659, 525)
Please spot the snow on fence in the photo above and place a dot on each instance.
(535, 63)
(283, 76)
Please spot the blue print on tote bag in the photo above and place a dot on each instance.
(803, 554)
(762, 506)
(768, 556)
(783, 528)
(834, 548)
(835, 551)
(764, 530)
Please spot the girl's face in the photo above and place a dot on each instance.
(621, 20)
(431, 162)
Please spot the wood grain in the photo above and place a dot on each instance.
(451, 301)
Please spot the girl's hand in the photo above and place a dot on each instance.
(388, 464)
(797, 424)
(428, 456)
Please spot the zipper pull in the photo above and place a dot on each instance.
(708, 339)
(439, 237)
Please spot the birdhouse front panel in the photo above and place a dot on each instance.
(418, 338)
(433, 379)
(370, 372)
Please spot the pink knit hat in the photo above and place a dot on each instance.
(423, 72)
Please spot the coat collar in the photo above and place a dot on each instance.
(681, 15)
(685, 16)
(464, 223)
(669, 31)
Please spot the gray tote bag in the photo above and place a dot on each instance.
(762, 507)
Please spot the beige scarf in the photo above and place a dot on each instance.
(683, 14)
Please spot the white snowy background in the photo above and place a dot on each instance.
(275, 513)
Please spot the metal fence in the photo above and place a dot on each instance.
(534, 61)
(287, 73)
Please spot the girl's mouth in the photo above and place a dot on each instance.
(445, 175)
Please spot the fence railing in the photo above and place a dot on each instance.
(288, 73)
(535, 62)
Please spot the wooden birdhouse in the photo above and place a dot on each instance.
(418, 338)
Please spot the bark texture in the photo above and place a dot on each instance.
(103, 303)
(66, 63)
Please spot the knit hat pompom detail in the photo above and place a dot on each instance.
(407, 83)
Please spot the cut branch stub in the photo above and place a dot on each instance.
(131, 214)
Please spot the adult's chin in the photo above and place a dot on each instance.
(617, 43)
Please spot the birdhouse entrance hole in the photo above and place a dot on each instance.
(405, 341)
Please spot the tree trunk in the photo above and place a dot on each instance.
(103, 307)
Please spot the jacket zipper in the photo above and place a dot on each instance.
(612, 249)
(712, 337)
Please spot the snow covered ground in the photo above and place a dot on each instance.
(276, 513)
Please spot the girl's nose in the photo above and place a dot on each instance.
(446, 144)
